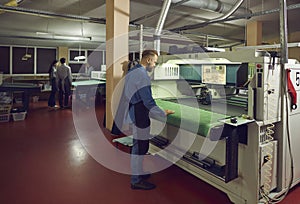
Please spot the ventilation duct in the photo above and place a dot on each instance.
(160, 24)
(213, 5)
(216, 20)
(48, 14)
(206, 4)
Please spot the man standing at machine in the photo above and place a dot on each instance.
(141, 107)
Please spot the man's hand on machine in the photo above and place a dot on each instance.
(168, 112)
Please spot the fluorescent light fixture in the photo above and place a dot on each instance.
(296, 44)
(43, 33)
(26, 56)
(215, 49)
(63, 37)
(79, 58)
(75, 38)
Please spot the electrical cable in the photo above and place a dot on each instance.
(282, 196)
(269, 152)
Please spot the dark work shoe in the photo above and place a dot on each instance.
(143, 185)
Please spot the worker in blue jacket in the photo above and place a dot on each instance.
(137, 92)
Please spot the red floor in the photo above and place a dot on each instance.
(42, 161)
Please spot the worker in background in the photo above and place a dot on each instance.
(142, 105)
(64, 78)
(132, 64)
(53, 82)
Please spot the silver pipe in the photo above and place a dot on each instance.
(141, 40)
(157, 12)
(245, 16)
(160, 24)
(162, 17)
(283, 32)
(50, 14)
(230, 12)
(176, 3)
(213, 5)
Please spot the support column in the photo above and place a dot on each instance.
(117, 28)
(254, 33)
(63, 52)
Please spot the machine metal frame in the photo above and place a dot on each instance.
(269, 135)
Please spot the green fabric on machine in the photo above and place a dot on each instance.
(189, 118)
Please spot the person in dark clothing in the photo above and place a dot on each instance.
(137, 92)
(53, 81)
(64, 78)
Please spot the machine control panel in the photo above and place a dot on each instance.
(237, 121)
(214, 74)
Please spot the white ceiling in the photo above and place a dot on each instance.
(21, 29)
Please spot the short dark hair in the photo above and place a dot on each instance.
(147, 53)
(62, 60)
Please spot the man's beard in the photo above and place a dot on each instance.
(149, 69)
